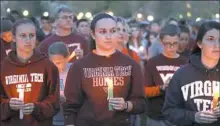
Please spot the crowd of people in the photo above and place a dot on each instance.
(64, 71)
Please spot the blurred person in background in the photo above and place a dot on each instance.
(83, 27)
(14, 15)
(151, 38)
(46, 26)
(123, 37)
(184, 41)
(6, 34)
(156, 48)
(77, 44)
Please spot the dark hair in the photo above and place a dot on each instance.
(15, 12)
(169, 29)
(99, 17)
(21, 22)
(158, 22)
(35, 21)
(171, 19)
(45, 18)
(147, 37)
(184, 29)
(40, 35)
(182, 22)
(81, 20)
(205, 27)
(58, 48)
(6, 25)
(93, 25)
(61, 8)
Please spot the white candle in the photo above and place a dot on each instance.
(110, 90)
(21, 97)
(215, 97)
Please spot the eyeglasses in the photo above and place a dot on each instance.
(170, 45)
(67, 17)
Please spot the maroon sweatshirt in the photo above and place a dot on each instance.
(73, 41)
(40, 80)
(3, 53)
(86, 90)
(7, 46)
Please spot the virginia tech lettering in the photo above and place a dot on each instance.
(200, 91)
(23, 78)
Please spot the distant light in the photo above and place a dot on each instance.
(8, 10)
(88, 15)
(217, 15)
(198, 19)
(189, 14)
(150, 18)
(46, 14)
(80, 15)
(110, 13)
(25, 13)
(139, 15)
(180, 16)
(188, 5)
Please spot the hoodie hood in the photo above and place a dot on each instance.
(196, 62)
(13, 59)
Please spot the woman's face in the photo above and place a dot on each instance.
(184, 40)
(121, 32)
(105, 34)
(210, 45)
(135, 32)
(25, 38)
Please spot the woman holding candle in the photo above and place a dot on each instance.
(189, 99)
(106, 86)
(29, 82)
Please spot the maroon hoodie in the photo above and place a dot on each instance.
(40, 79)
(86, 90)
(3, 53)
(73, 41)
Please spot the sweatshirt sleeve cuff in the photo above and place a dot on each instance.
(70, 120)
(192, 115)
(36, 111)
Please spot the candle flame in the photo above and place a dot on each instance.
(215, 97)
(216, 93)
(109, 82)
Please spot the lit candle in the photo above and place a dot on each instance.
(78, 47)
(21, 97)
(110, 91)
(215, 98)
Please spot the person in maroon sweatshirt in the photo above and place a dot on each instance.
(158, 72)
(64, 23)
(3, 53)
(29, 82)
(106, 86)
(6, 34)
